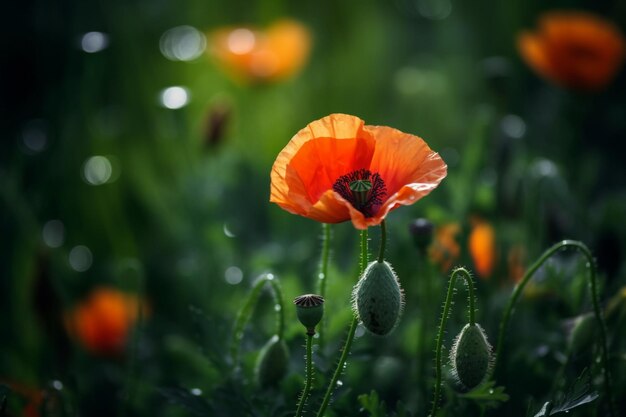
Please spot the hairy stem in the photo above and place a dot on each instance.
(442, 325)
(594, 298)
(323, 276)
(309, 375)
(349, 338)
(246, 312)
(383, 241)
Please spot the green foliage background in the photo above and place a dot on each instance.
(181, 210)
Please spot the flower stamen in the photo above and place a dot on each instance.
(362, 189)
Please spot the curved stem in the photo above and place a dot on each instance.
(442, 325)
(309, 375)
(348, 344)
(323, 276)
(246, 312)
(383, 241)
(594, 298)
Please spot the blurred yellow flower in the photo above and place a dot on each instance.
(574, 49)
(259, 56)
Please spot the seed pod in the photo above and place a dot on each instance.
(378, 298)
(272, 362)
(309, 309)
(471, 356)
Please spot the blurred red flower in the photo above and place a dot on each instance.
(338, 169)
(255, 55)
(574, 49)
(103, 321)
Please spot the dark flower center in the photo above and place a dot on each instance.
(364, 190)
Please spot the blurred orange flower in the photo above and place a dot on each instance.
(574, 49)
(255, 55)
(515, 261)
(482, 247)
(103, 321)
(445, 249)
(338, 169)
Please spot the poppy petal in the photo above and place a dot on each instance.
(315, 158)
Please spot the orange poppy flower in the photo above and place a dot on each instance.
(445, 250)
(482, 247)
(255, 55)
(338, 169)
(574, 49)
(103, 321)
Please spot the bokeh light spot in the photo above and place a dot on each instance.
(97, 170)
(182, 43)
(80, 258)
(241, 41)
(233, 275)
(174, 97)
(93, 42)
(513, 126)
(34, 136)
(53, 233)
(434, 9)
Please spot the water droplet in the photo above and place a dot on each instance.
(270, 277)
(277, 307)
(339, 383)
(321, 275)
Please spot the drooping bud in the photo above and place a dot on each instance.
(272, 362)
(378, 298)
(310, 309)
(471, 356)
(422, 232)
(583, 333)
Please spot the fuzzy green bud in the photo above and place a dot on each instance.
(471, 356)
(272, 362)
(378, 298)
(583, 333)
(310, 309)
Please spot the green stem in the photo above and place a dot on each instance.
(348, 344)
(383, 241)
(594, 298)
(309, 375)
(246, 312)
(442, 325)
(326, 237)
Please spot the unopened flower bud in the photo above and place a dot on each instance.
(310, 309)
(471, 356)
(272, 362)
(583, 333)
(378, 298)
(422, 232)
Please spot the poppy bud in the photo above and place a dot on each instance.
(422, 232)
(583, 333)
(271, 365)
(471, 356)
(310, 309)
(378, 298)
